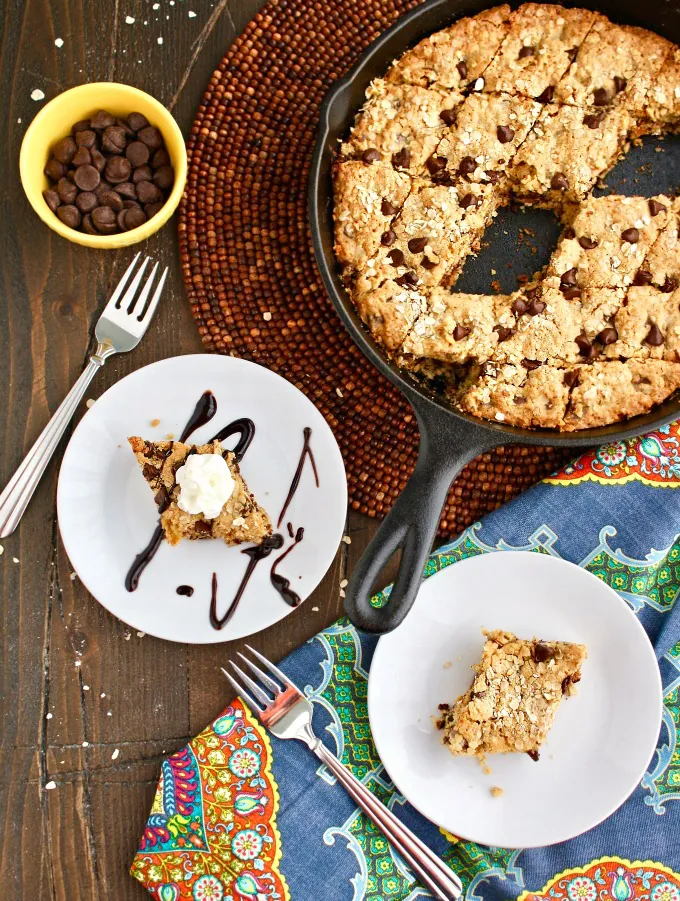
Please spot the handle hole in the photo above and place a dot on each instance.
(388, 573)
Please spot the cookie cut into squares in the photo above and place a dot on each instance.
(540, 46)
(514, 698)
(647, 327)
(241, 519)
(456, 328)
(661, 266)
(390, 312)
(454, 57)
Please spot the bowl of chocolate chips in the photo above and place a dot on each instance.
(104, 165)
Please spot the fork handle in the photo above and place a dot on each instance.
(430, 870)
(21, 487)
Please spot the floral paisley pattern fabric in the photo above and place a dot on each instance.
(219, 831)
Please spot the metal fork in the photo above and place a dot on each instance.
(120, 327)
(287, 713)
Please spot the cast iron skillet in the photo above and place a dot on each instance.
(448, 438)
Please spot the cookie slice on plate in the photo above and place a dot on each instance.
(200, 492)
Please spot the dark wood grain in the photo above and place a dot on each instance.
(62, 654)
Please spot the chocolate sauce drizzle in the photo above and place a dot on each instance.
(281, 583)
(185, 590)
(306, 452)
(204, 411)
(257, 553)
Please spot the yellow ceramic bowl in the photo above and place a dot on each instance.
(54, 122)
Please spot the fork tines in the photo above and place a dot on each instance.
(132, 301)
(275, 690)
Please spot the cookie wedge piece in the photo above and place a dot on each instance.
(541, 44)
(512, 703)
(367, 198)
(609, 391)
(647, 327)
(240, 520)
(390, 312)
(662, 264)
(456, 56)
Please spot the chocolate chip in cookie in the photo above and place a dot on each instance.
(388, 238)
(608, 336)
(417, 245)
(387, 208)
(655, 336)
(655, 207)
(559, 182)
(642, 277)
(630, 235)
(396, 257)
(370, 156)
(505, 134)
(547, 95)
(587, 243)
(435, 164)
(401, 159)
(460, 332)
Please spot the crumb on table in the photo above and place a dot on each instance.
(496, 791)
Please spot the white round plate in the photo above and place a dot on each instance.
(603, 737)
(107, 512)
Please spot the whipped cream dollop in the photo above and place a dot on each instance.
(205, 484)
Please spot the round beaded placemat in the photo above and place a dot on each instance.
(248, 263)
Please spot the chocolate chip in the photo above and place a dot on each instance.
(396, 257)
(530, 365)
(133, 219)
(467, 165)
(460, 332)
(417, 245)
(559, 182)
(102, 188)
(519, 306)
(121, 123)
(620, 84)
(535, 307)
(542, 652)
(547, 95)
(66, 190)
(114, 139)
(386, 208)
(608, 336)
(462, 69)
(435, 164)
(600, 97)
(104, 220)
(117, 169)
(102, 120)
(568, 233)
(120, 219)
(503, 332)
(82, 157)
(407, 280)
(401, 159)
(655, 336)
(566, 682)
(138, 153)
(111, 198)
(126, 190)
(570, 293)
(69, 215)
(569, 277)
(525, 52)
(370, 156)
(494, 177)
(655, 207)
(151, 209)
(151, 137)
(65, 150)
(88, 225)
(571, 378)
(631, 235)
(160, 158)
(587, 243)
(532, 292)
(147, 192)
(533, 754)
(87, 138)
(427, 263)
(144, 173)
(86, 201)
(137, 121)
(83, 125)
(505, 134)
(470, 200)
(388, 238)
(593, 120)
(87, 178)
(132, 205)
(669, 285)
(52, 199)
(98, 160)
(642, 277)
(55, 170)
(585, 348)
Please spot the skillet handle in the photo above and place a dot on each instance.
(412, 522)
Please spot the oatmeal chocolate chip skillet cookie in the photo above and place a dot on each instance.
(532, 105)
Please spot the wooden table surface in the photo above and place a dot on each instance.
(77, 684)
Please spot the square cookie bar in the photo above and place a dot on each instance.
(514, 698)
